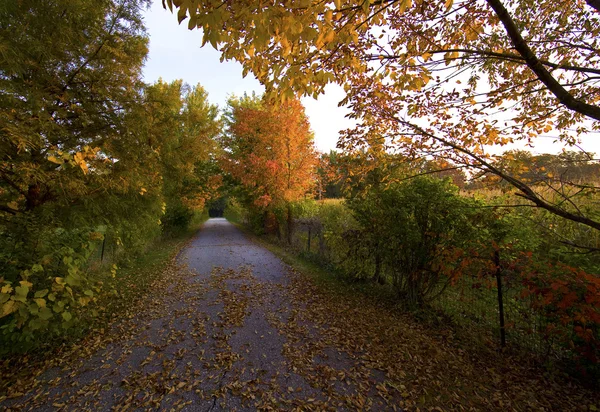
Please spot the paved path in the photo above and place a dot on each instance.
(223, 330)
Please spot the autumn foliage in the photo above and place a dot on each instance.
(95, 165)
(269, 151)
(569, 298)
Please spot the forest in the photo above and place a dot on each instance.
(426, 201)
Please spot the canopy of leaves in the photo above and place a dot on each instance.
(269, 150)
(443, 79)
(86, 160)
(181, 126)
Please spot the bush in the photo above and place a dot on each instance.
(413, 234)
(177, 218)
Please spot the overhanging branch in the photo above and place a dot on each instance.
(526, 191)
(538, 68)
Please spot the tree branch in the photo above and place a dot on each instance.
(526, 191)
(537, 66)
(516, 58)
(7, 210)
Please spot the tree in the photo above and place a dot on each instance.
(443, 79)
(69, 72)
(329, 179)
(269, 151)
(415, 234)
(72, 169)
(180, 126)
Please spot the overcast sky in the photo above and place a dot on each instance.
(175, 53)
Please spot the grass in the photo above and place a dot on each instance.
(135, 277)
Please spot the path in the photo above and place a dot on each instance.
(232, 328)
(220, 333)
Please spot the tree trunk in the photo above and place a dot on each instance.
(377, 275)
(289, 224)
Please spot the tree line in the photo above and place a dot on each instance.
(88, 153)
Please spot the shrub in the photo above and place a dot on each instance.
(416, 233)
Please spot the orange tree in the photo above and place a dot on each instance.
(444, 79)
(269, 151)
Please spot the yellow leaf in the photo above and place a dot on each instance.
(329, 37)
(83, 166)
(448, 4)
(26, 283)
(13, 205)
(405, 5)
(471, 34)
(8, 308)
(56, 160)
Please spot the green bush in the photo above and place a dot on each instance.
(177, 218)
(412, 234)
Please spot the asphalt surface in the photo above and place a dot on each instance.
(221, 331)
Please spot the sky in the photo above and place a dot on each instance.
(175, 53)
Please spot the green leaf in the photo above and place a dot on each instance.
(34, 309)
(4, 297)
(72, 280)
(45, 313)
(41, 293)
(67, 316)
(35, 324)
(22, 291)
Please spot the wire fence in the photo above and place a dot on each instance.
(472, 302)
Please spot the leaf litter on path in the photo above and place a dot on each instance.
(231, 341)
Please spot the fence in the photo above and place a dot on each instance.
(490, 308)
